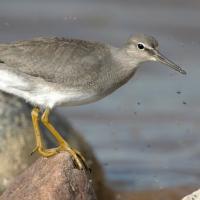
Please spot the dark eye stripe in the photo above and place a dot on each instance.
(150, 51)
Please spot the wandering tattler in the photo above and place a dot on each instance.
(49, 72)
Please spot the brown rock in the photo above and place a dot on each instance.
(53, 178)
(17, 142)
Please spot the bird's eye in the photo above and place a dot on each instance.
(140, 46)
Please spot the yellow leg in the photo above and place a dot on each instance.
(39, 143)
(63, 145)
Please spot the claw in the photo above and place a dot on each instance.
(78, 159)
(34, 150)
(82, 159)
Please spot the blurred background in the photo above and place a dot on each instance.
(146, 134)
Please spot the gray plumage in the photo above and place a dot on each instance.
(75, 63)
(70, 64)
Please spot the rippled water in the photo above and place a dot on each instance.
(146, 134)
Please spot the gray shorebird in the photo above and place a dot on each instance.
(49, 72)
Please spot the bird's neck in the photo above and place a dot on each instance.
(123, 60)
(122, 68)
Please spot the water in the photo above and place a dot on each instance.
(146, 134)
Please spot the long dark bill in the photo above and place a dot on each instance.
(161, 58)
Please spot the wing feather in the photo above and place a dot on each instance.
(57, 60)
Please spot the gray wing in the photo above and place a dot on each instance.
(57, 60)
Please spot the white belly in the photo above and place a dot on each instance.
(49, 97)
(43, 94)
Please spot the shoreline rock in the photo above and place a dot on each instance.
(54, 178)
(17, 142)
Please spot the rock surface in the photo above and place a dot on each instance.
(194, 196)
(17, 142)
(16, 138)
(53, 178)
(176, 193)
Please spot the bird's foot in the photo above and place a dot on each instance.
(46, 152)
(77, 157)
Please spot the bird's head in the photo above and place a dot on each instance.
(145, 48)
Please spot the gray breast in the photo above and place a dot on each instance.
(67, 63)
